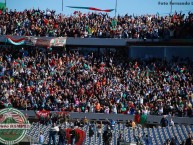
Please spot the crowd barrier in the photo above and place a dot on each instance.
(94, 42)
(151, 119)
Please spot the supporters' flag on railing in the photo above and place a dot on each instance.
(91, 8)
(20, 41)
(42, 113)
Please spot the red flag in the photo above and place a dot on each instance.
(92, 8)
(75, 12)
(46, 21)
(42, 113)
(56, 25)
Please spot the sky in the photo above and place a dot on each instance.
(136, 7)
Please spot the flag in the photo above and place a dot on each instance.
(2, 7)
(46, 21)
(75, 12)
(91, 8)
(114, 23)
(20, 41)
(55, 25)
(42, 113)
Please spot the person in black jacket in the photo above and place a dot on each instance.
(120, 139)
(188, 140)
(62, 136)
(73, 136)
(91, 130)
(107, 136)
(164, 121)
(173, 142)
(77, 123)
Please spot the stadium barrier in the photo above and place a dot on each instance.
(151, 119)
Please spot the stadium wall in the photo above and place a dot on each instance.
(160, 51)
(151, 119)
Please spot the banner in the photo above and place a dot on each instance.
(16, 41)
(44, 42)
(60, 41)
(79, 137)
(42, 113)
(30, 40)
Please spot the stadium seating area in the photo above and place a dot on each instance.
(48, 23)
(106, 84)
(45, 79)
(156, 136)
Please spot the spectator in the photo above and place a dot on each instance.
(137, 118)
(91, 130)
(146, 139)
(107, 136)
(62, 136)
(73, 82)
(77, 123)
(189, 139)
(172, 122)
(99, 129)
(73, 136)
(111, 123)
(53, 132)
(143, 119)
(131, 123)
(120, 139)
(41, 138)
(164, 121)
(128, 123)
(85, 121)
(183, 143)
(167, 142)
(173, 142)
(42, 23)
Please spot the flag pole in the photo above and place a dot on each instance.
(116, 8)
(62, 4)
(171, 7)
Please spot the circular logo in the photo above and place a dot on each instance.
(13, 126)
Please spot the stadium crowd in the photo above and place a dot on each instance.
(34, 80)
(37, 79)
(48, 23)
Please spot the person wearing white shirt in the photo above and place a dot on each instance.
(53, 132)
(171, 122)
